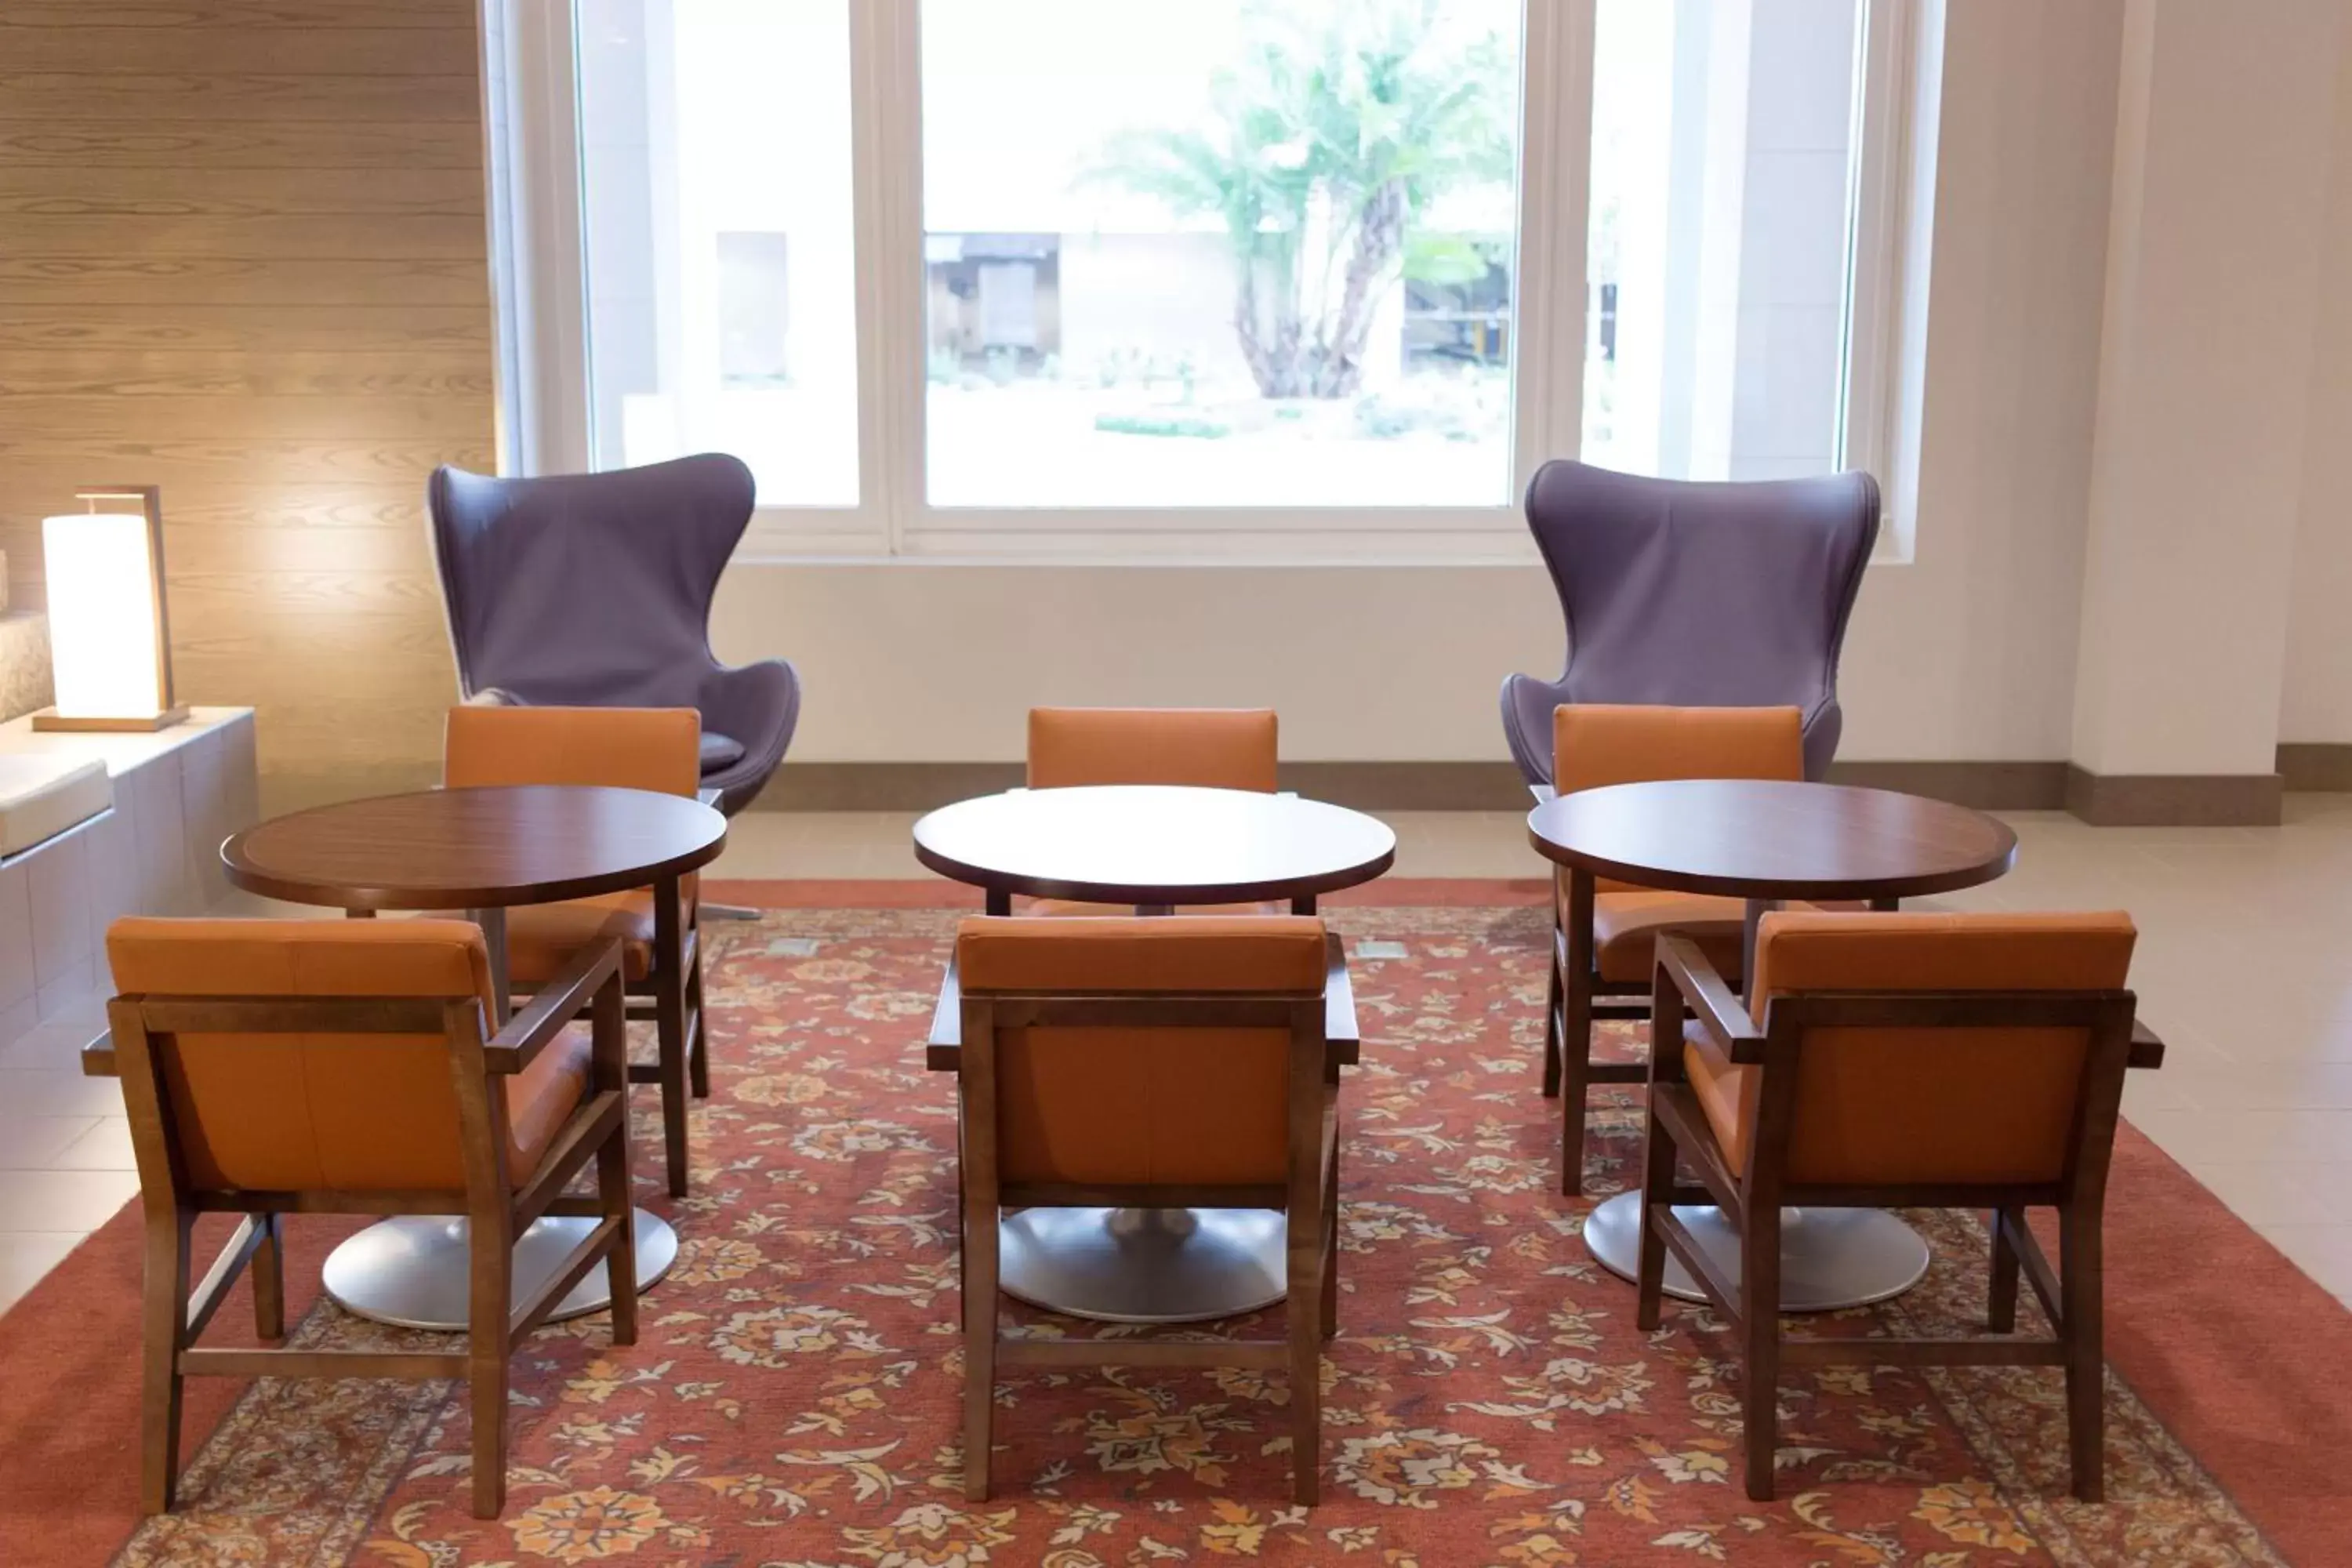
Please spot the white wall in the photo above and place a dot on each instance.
(2213, 278)
(2316, 703)
(1965, 652)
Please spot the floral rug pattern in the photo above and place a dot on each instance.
(793, 1400)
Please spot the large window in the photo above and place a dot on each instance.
(1198, 279)
(1219, 252)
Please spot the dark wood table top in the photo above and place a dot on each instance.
(475, 848)
(1153, 844)
(1753, 838)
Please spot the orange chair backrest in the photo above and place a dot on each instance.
(307, 1112)
(1149, 1105)
(1211, 748)
(655, 749)
(1939, 1104)
(1596, 745)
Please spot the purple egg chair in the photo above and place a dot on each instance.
(1700, 596)
(593, 590)
(1684, 595)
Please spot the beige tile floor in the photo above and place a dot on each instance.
(2244, 966)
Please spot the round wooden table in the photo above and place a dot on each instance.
(1153, 848)
(483, 851)
(1769, 842)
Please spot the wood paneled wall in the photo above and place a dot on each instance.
(242, 256)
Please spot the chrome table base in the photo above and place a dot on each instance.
(1144, 1265)
(412, 1271)
(1829, 1258)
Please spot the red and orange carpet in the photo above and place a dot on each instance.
(793, 1399)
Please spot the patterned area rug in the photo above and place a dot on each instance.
(793, 1399)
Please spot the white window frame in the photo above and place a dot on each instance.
(535, 187)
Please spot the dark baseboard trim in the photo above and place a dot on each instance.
(2175, 800)
(1380, 786)
(2323, 765)
(1982, 786)
(926, 786)
(883, 786)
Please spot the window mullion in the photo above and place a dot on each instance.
(887, 149)
(1555, 191)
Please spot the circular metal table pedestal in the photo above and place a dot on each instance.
(1829, 1258)
(1144, 1265)
(410, 1271)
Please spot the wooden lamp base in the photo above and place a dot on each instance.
(49, 719)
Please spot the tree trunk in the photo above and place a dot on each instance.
(1380, 242)
(1276, 366)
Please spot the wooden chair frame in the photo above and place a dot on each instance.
(495, 1208)
(670, 998)
(1753, 1197)
(1323, 1039)
(1577, 998)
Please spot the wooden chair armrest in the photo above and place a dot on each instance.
(553, 1005)
(943, 1052)
(98, 1057)
(2147, 1049)
(1342, 1036)
(1720, 1013)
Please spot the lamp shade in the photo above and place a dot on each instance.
(105, 627)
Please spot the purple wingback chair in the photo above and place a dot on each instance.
(1724, 595)
(593, 590)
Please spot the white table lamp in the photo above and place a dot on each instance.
(108, 641)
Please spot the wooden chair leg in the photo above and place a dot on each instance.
(1305, 1325)
(162, 1333)
(669, 1030)
(269, 1270)
(698, 1047)
(979, 1347)
(2000, 1308)
(1760, 1302)
(621, 1265)
(2081, 1302)
(1330, 1313)
(1575, 1089)
(1576, 979)
(1552, 1030)
(1657, 1182)
(489, 1301)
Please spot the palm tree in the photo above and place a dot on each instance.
(1325, 145)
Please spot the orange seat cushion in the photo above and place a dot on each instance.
(1211, 748)
(312, 1113)
(1727, 1092)
(1891, 1106)
(542, 938)
(542, 1098)
(1626, 926)
(1142, 1106)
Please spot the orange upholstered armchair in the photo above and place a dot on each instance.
(344, 1066)
(1149, 1063)
(1206, 748)
(1605, 932)
(1962, 1061)
(658, 928)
